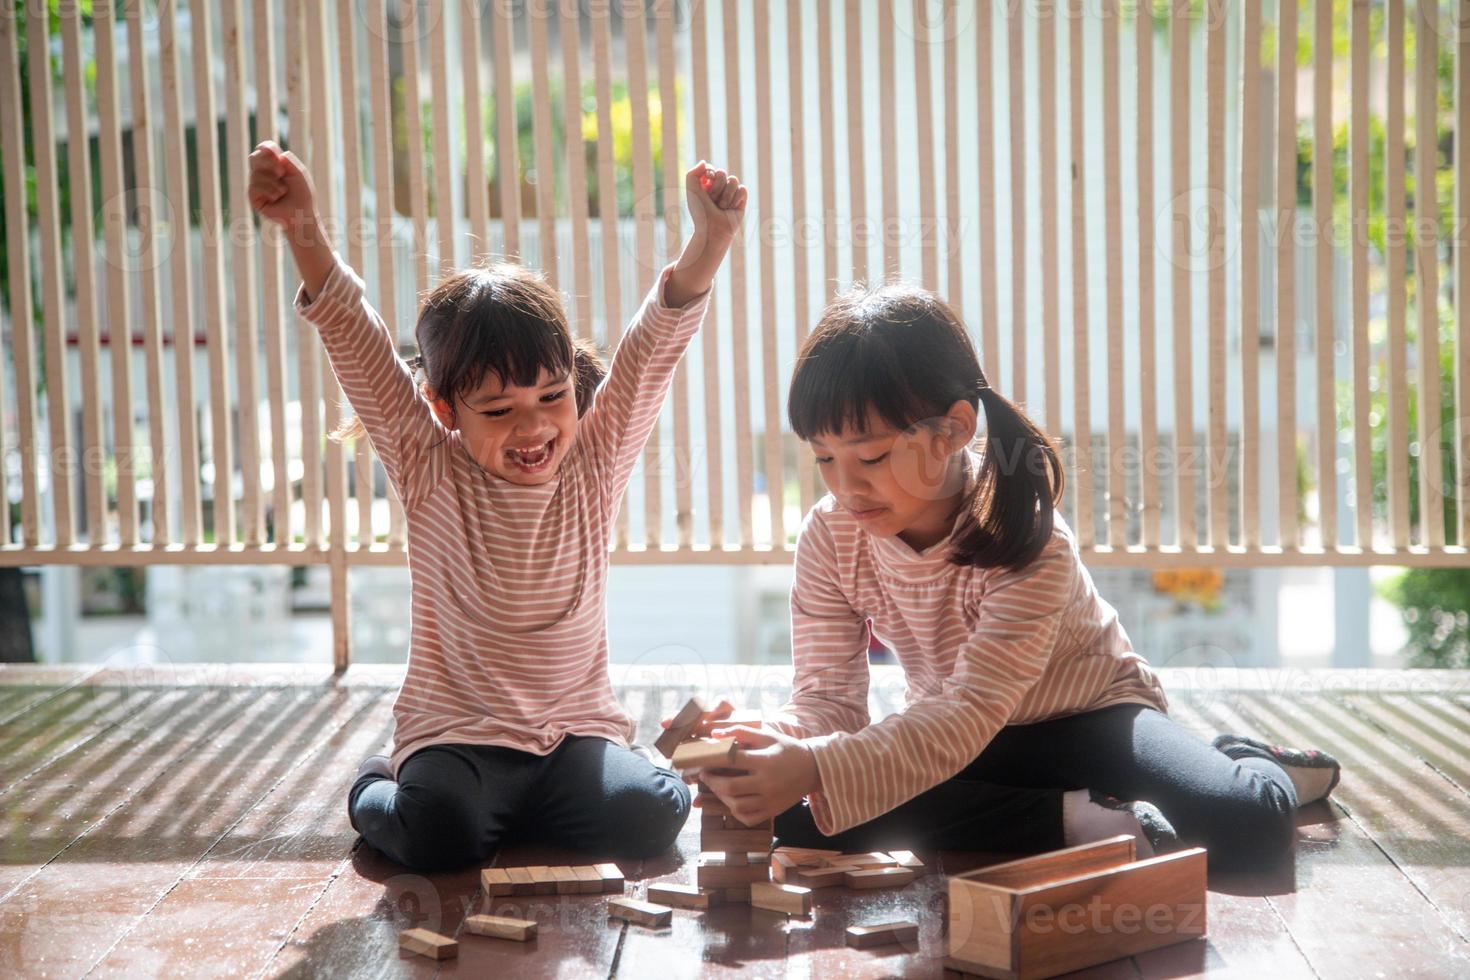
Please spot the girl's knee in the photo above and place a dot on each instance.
(428, 829)
(1257, 835)
(646, 819)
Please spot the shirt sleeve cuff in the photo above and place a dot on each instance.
(342, 287)
(656, 300)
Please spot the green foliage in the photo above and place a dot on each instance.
(1436, 607)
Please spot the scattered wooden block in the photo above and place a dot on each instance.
(543, 879)
(683, 896)
(734, 895)
(566, 880)
(730, 841)
(869, 859)
(426, 943)
(783, 868)
(822, 877)
(588, 880)
(907, 859)
(680, 727)
(776, 897)
(496, 881)
(1004, 920)
(712, 873)
(704, 753)
(520, 881)
(639, 913)
(612, 877)
(501, 927)
(807, 856)
(877, 878)
(863, 937)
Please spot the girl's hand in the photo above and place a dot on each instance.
(717, 204)
(771, 773)
(280, 190)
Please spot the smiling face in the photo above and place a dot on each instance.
(520, 433)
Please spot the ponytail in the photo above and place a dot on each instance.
(1010, 512)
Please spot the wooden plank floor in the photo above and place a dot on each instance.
(191, 821)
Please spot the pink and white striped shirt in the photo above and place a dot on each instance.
(509, 625)
(981, 648)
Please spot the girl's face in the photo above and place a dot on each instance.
(900, 482)
(520, 434)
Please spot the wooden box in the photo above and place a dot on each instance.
(1070, 909)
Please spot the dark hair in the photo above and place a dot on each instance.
(902, 354)
(499, 319)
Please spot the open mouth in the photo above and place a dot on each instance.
(533, 460)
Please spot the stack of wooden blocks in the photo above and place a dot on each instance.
(815, 868)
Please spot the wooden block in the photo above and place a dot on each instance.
(680, 727)
(543, 879)
(877, 878)
(496, 881)
(869, 859)
(807, 856)
(612, 877)
(566, 880)
(1072, 909)
(744, 841)
(716, 821)
(520, 881)
(639, 913)
(712, 804)
(862, 937)
(907, 859)
(776, 897)
(683, 896)
(501, 927)
(821, 877)
(704, 753)
(735, 894)
(426, 943)
(717, 874)
(588, 879)
(782, 866)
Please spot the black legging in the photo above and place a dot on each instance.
(1009, 799)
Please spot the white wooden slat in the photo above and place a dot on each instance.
(985, 177)
(1216, 439)
(800, 286)
(272, 313)
(1113, 218)
(1426, 272)
(299, 19)
(507, 153)
(709, 332)
(1461, 279)
(17, 254)
(852, 32)
(114, 227)
(212, 302)
(1322, 312)
(889, 233)
(1015, 382)
(569, 23)
(1180, 223)
(545, 160)
(1286, 156)
(410, 33)
(1250, 274)
(1082, 526)
(924, 129)
(1149, 495)
(953, 219)
(176, 175)
(827, 73)
(79, 170)
(446, 219)
(771, 381)
(1395, 261)
(476, 186)
(664, 11)
(739, 326)
(244, 311)
(1358, 181)
(1046, 124)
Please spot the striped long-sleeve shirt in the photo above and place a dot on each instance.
(981, 648)
(509, 628)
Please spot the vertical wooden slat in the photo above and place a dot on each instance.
(17, 254)
(924, 127)
(1216, 440)
(1113, 216)
(709, 335)
(1395, 262)
(1462, 270)
(176, 171)
(1081, 391)
(212, 309)
(1149, 496)
(571, 62)
(242, 265)
(114, 226)
(299, 20)
(607, 204)
(1286, 442)
(1426, 272)
(1015, 384)
(445, 173)
(739, 328)
(985, 176)
(384, 210)
(953, 225)
(409, 32)
(1046, 124)
(272, 317)
(84, 264)
(507, 152)
(477, 190)
(1358, 251)
(827, 73)
(800, 287)
(888, 231)
(668, 101)
(1250, 274)
(545, 162)
(852, 31)
(775, 471)
(1322, 255)
(1180, 218)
